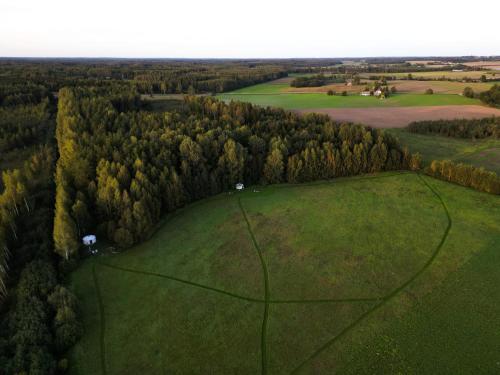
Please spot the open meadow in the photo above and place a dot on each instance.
(314, 100)
(303, 279)
(479, 152)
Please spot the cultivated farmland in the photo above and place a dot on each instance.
(302, 279)
(399, 117)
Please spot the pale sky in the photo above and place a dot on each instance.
(248, 28)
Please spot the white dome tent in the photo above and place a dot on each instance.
(90, 240)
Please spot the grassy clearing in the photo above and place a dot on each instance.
(481, 153)
(311, 101)
(450, 327)
(321, 243)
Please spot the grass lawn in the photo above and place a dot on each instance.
(311, 101)
(481, 153)
(270, 282)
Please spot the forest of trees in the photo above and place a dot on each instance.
(118, 172)
(38, 315)
(465, 175)
(24, 125)
(459, 128)
(317, 80)
(39, 320)
(146, 77)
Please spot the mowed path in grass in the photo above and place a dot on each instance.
(193, 299)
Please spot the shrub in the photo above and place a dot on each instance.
(468, 92)
(429, 91)
(330, 93)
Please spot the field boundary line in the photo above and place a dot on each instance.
(102, 321)
(266, 291)
(191, 283)
(238, 296)
(391, 295)
(334, 300)
(342, 179)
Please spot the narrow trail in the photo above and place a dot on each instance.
(102, 320)
(235, 295)
(187, 282)
(391, 295)
(266, 291)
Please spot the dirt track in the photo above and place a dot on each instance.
(399, 117)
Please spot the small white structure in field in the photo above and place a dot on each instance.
(240, 186)
(365, 93)
(378, 92)
(89, 240)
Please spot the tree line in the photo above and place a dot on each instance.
(118, 172)
(317, 80)
(491, 96)
(39, 319)
(465, 175)
(459, 128)
(25, 81)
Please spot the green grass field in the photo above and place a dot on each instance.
(310, 101)
(275, 94)
(313, 278)
(481, 153)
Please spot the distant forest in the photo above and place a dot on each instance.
(26, 80)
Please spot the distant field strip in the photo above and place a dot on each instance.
(399, 117)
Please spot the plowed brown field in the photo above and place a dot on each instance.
(399, 117)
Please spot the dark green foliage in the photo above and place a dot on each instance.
(492, 96)
(316, 80)
(23, 125)
(468, 92)
(460, 128)
(147, 77)
(14, 94)
(129, 168)
(29, 321)
(465, 175)
(66, 327)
